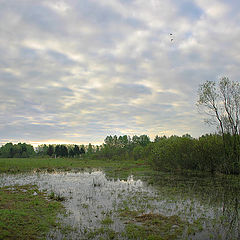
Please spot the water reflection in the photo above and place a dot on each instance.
(90, 198)
(218, 196)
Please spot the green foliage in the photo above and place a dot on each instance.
(205, 153)
(60, 150)
(142, 140)
(20, 150)
(82, 150)
(210, 153)
(122, 148)
(50, 150)
(76, 150)
(221, 102)
(90, 149)
(138, 152)
(42, 150)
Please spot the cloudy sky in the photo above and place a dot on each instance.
(75, 71)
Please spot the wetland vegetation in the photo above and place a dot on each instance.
(127, 199)
(26, 212)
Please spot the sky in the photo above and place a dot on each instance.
(75, 71)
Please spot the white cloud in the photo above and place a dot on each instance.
(60, 7)
(215, 9)
(80, 70)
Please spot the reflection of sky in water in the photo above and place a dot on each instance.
(91, 198)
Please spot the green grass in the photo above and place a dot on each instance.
(152, 226)
(114, 168)
(107, 221)
(103, 233)
(26, 213)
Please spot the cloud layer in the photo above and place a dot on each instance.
(76, 71)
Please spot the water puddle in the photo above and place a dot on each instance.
(96, 204)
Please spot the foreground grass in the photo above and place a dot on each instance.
(155, 227)
(144, 227)
(26, 213)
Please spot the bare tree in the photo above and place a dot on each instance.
(222, 104)
(209, 102)
(230, 95)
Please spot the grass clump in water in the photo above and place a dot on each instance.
(103, 233)
(26, 213)
(155, 226)
(57, 197)
(107, 221)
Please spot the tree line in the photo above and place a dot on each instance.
(23, 150)
(113, 148)
(206, 153)
(60, 150)
(218, 152)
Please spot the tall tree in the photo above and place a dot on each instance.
(230, 96)
(76, 150)
(90, 149)
(50, 150)
(222, 103)
(71, 152)
(64, 151)
(58, 150)
(209, 101)
(82, 150)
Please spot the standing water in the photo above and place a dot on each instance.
(114, 209)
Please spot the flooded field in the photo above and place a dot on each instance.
(158, 207)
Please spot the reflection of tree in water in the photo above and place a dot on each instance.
(228, 197)
(232, 221)
(220, 193)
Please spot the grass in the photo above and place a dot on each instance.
(103, 233)
(56, 197)
(113, 168)
(26, 213)
(107, 221)
(152, 226)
